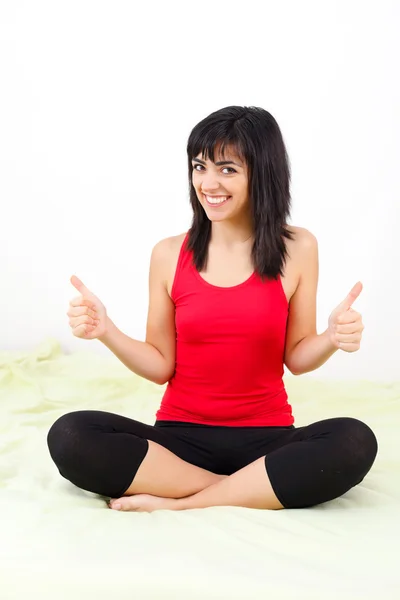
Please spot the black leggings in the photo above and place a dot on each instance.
(101, 452)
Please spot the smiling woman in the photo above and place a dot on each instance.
(249, 163)
(230, 300)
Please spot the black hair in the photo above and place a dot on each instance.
(258, 141)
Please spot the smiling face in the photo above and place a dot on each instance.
(222, 187)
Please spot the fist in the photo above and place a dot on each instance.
(88, 315)
(345, 324)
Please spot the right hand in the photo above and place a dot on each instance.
(88, 315)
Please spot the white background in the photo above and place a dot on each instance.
(97, 102)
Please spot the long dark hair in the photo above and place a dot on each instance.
(258, 141)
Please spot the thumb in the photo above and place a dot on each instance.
(80, 286)
(351, 297)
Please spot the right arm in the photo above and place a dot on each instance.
(153, 359)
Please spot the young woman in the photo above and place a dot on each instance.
(231, 301)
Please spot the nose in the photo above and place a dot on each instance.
(209, 187)
(209, 184)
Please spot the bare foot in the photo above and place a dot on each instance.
(142, 503)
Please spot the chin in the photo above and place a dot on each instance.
(214, 216)
(217, 218)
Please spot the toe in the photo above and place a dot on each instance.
(125, 503)
(116, 504)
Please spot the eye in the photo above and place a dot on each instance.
(197, 165)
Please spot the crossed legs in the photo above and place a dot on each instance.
(173, 484)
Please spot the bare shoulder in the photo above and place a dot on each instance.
(302, 250)
(168, 247)
(303, 238)
(306, 238)
(166, 252)
(170, 243)
(307, 251)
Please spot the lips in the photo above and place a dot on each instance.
(216, 204)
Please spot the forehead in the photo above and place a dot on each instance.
(229, 153)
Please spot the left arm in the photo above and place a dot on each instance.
(305, 349)
(310, 353)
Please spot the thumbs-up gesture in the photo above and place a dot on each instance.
(345, 325)
(88, 315)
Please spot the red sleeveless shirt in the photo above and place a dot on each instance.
(229, 351)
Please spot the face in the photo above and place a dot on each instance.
(221, 188)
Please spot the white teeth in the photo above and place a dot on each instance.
(218, 200)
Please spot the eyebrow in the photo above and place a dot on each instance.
(222, 162)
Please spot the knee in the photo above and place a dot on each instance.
(63, 435)
(360, 445)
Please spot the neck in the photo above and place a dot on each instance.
(228, 234)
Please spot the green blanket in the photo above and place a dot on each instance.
(58, 541)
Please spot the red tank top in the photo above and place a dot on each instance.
(229, 351)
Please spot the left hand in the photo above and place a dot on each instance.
(345, 325)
